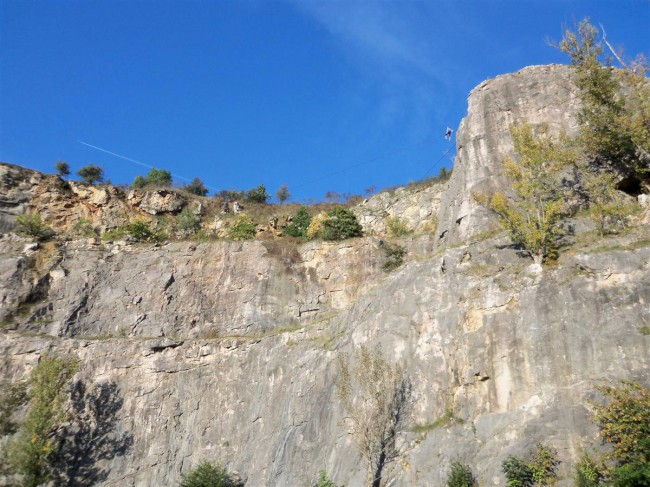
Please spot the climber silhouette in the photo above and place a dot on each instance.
(448, 133)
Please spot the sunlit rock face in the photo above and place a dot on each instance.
(227, 351)
(535, 95)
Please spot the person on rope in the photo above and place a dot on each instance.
(448, 133)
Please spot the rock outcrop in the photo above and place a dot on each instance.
(534, 95)
(227, 351)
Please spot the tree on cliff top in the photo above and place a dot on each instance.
(615, 110)
(533, 216)
(91, 174)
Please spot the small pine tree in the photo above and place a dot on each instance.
(32, 225)
(62, 168)
(91, 174)
(243, 229)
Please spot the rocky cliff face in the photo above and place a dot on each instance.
(227, 351)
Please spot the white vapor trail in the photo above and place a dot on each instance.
(133, 160)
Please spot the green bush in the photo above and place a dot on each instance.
(230, 195)
(340, 224)
(243, 229)
(324, 480)
(517, 472)
(31, 453)
(299, 224)
(461, 476)
(91, 174)
(394, 257)
(257, 195)
(208, 475)
(587, 473)
(142, 231)
(32, 225)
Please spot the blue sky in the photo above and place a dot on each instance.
(321, 95)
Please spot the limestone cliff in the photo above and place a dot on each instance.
(227, 351)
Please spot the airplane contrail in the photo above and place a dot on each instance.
(134, 161)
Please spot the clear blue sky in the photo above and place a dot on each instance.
(323, 95)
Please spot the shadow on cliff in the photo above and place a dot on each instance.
(91, 438)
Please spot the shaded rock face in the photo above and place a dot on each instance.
(534, 95)
(228, 351)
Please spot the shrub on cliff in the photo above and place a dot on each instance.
(207, 474)
(299, 224)
(31, 453)
(243, 228)
(461, 476)
(62, 168)
(32, 225)
(340, 224)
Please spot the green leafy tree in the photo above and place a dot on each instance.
(207, 474)
(533, 217)
(615, 124)
(607, 206)
(461, 476)
(62, 168)
(299, 223)
(257, 195)
(230, 195)
(196, 187)
(91, 174)
(159, 177)
(340, 224)
(283, 194)
(624, 422)
(32, 451)
(376, 396)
